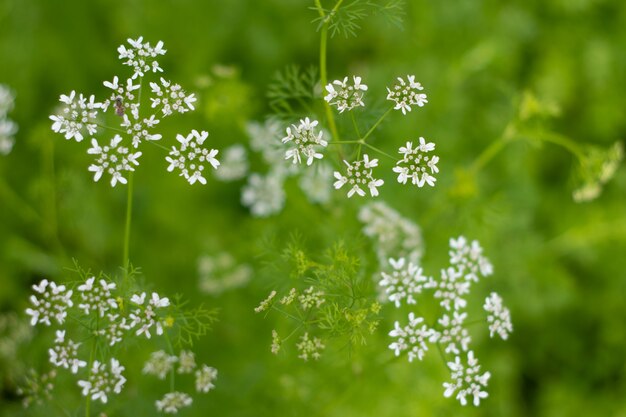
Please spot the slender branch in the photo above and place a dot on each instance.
(378, 122)
(129, 211)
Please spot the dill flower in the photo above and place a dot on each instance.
(112, 159)
(159, 364)
(416, 164)
(499, 317)
(205, 376)
(466, 380)
(345, 96)
(406, 94)
(403, 281)
(358, 176)
(65, 353)
(172, 402)
(103, 380)
(305, 140)
(52, 303)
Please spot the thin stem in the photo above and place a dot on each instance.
(110, 128)
(88, 397)
(564, 142)
(379, 151)
(356, 127)
(129, 211)
(378, 122)
(493, 149)
(344, 142)
(158, 145)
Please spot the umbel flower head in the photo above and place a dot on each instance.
(8, 128)
(51, 303)
(359, 176)
(103, 380)
(305, 140)
(345, 96)
(406, 94)
(81, 115)
(416, 164)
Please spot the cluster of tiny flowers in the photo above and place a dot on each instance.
(406, 94)
(276, 343)
(96, 297)
(310, 298)
(309, 348)
(267, 303)
(145, 316)
(345, 96)
(359, 176)
(8, 128)
(172, 402)
(79, 116)
(416, 164)
(103, 380)
(64, 354)
(37, 388)
(159, 364)
(305, 139)
(52, 303)
(191, 158)
(221, 273)
(466, 265)
(597, 168)
(234, 164)
(499, 317)
(264, 194)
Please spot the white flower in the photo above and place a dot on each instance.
(205, 376)
(466, 380)
(96, 297)
(122, 95)
(7, 99)
(289, 298)
(317, 183)
(171, 98)
(141, 56)
(450, 289)
(173, 401)
(267, 303)
(406, 94)
(412, 337)
(311, 297)
(305, 140)
(309, 348)
(102, 380)
(145, 317)
(416, 164)
(186, 362)
(115, 330)
(453, 335)
(266, 138)
(137, 128)
(8, 128)
(276, 343)
(344, 96)
(77, 116)
(468, 259)
(233, 164)
(264, 195)
(358, 176)
(403, 281)
(191, 158)
(159, 364)
(52, 303)
(112, 159)
(499, 318)
(65, 353)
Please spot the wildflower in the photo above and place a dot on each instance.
(468, 259)
(416, 164)
(171, 98)
(406, 94)
(234, 164)
(8, 128)
(146, 317)
(221, 272)
(403, 281)
(190, 159)
(78, 116)
(53, 303)
(264, 195)
(412, 337)
(288, 299)
(309, 348)
(159, 364)
(65, 353)
(316, 183)
(141, 56)
(450, 289)
(186, 362)
(311, 297)
(276, 342)
(137, 127)
(359, 174)
(205, 376)
(499, 318)
(453, 335)
(103, 380)
(96, 297)
(173, 401)
(466, 380)
(305, 140)
(122, 95)
(115, 330)
(112, 159)
(597, 168)
(265, 304)
(344, 96)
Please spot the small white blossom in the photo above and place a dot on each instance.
(311, 298)
(145, 317)
(205, 376)
(137, 127)
(404, 280)
(171, 98)
(309, 348)
(103, 380)
(358, 176)
(8, 128)
(115, 330)
(96, 297)
(499, 318)
(406, 94)
(305, 140)
(112, 159)
(453, 335)
(450, 289)
(122, 95)
(345, 96)
(288, 299)
(276, 342)
(416, 164)
(159, 364)
(191, 158)
(172, 402)
(466, 380)
(186, 362)
(266, 138)
(233, 164)
(413, 338)
(468, 259)
(53, 302)
(267, 303)
(264, 195)
(141, 56)
(316, 183)
(77, 116)
(65, 353)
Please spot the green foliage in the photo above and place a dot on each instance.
(346, 20)
(292, 91)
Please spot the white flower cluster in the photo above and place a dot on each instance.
(311, 297)
(406, 281)
(64, 354)
(103, 380)
(416, 164)
(221, 273)
(305, 140)
(406, 94)
(345, 96)
(161, 364)
(8, 128)
(597, 167)
(144, 317)
(37, 388)
(234, 164)
(309, 348)
(52, 303)
(359, 175)
(80, 116)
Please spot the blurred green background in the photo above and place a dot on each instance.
(558, 265)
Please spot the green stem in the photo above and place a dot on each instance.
(88, 397)
(379, 151)
(493, 149)
(564, 142)
(345, 142)
(378, 122)
(356, 127)
(129, 211)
